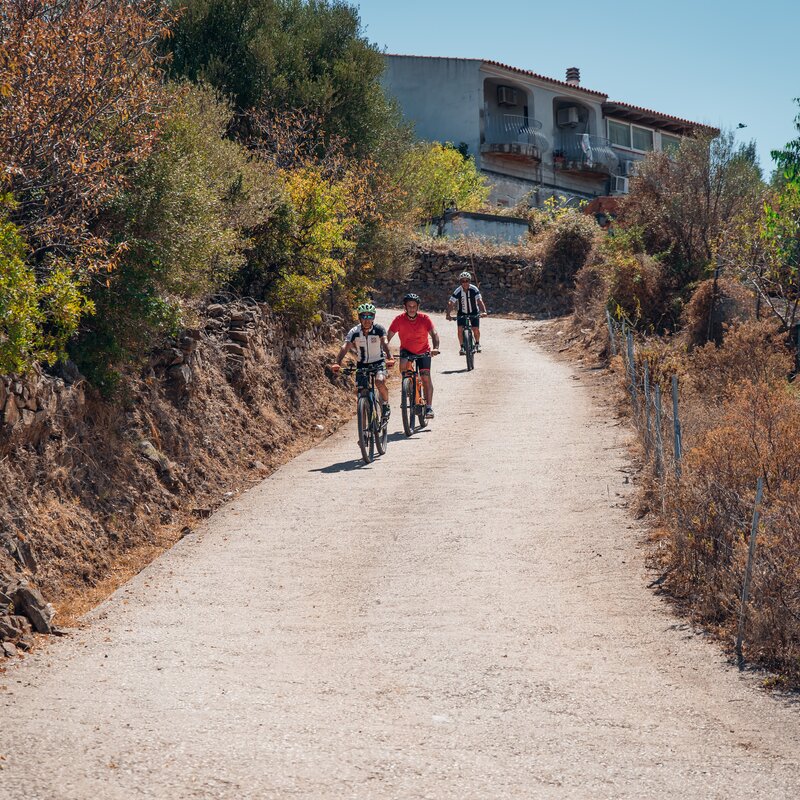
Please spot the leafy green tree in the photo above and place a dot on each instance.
(436, 175)
(287, 54)
(183, 228)
(778, 278)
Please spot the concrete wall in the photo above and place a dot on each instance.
(486, 226)
(443, 97)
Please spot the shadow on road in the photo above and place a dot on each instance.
(452, 371)
(342, 466)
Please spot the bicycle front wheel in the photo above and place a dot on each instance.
(379, 428)
(469, 348)
(364, 431)
(420, 408)
(407, 405)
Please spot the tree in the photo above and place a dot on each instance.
(287, 54)
(778, 276)
(436, 175)
(80, 101)
(689, 202)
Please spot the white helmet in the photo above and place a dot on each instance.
(465, 275)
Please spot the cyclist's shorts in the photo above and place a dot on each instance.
(475, 319)
(362, 380)
(424, 362)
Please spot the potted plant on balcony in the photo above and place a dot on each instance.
(559, 158)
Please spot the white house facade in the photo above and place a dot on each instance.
(530, 135)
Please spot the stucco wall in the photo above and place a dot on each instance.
(443, 97)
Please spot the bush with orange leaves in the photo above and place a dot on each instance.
(709, 515)
(80, 89)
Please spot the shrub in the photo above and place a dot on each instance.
(181, 228)
(751, 352)
(564, 246)
(36, 319)
(731, 302)
(628, 283)
(758, 434)
(80, 92)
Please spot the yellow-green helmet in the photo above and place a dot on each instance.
(366, 308)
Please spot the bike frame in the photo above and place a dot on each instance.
(365, 388)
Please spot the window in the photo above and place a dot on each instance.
(619, 133)
(670, 143)
(642, 138)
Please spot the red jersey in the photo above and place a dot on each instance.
(413, 332)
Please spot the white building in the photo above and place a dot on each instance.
(529, 133)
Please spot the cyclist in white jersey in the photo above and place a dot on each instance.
(368, 341)
(468, 300)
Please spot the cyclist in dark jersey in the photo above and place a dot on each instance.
(468, 300)
(368, 341)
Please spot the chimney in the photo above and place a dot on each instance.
(573, 76)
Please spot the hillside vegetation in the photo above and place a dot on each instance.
(702, 267)
(157, 153)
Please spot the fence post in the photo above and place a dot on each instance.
(676, 424)
(632, 376)
(659, 439)
(748, 571)
(648, 430)
(611, 337)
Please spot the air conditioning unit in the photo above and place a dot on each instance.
(567, 117)
(631, 167)
(506, 96)
(619, 184)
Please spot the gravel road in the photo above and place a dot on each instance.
(466, 618)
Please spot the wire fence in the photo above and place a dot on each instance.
(656, 410)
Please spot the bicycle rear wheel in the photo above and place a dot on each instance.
(469, 348)
(365, 438)
(407, 405)
(379, 428)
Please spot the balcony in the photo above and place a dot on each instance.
(583, 153)
(513, 136)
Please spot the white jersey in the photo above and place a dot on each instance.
(466, 301)
(368, 344)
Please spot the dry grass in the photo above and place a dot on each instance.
(740, 419)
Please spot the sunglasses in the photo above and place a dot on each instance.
(366, 316)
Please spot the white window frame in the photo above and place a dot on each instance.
(631, 125)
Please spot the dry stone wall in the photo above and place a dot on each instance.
(509, 283)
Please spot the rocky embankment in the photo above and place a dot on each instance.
(90, 483)
(511, 282)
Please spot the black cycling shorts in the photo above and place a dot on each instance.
(475, 319)
(424, 362)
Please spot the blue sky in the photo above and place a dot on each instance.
(722, 63)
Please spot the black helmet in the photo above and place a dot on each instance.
(411, 297)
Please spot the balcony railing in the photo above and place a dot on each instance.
(581, 152)
(514, 135)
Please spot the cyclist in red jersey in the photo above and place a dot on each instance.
(414, 329)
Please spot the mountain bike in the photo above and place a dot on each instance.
(413, 400)
(468, 341)
(372, 433)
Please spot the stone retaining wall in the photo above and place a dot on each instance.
(509, 283)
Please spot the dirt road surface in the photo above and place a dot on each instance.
(466, 618)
